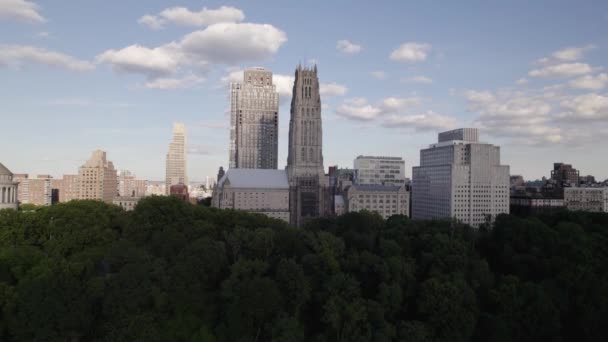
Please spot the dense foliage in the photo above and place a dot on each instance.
(171, 271)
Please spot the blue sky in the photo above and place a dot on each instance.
(80, 75)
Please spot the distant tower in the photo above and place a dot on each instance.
(305, 156)
(176, 158)
(254, 121)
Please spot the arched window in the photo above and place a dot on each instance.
(311, 157)
(303, 154)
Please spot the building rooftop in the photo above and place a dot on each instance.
(4, 171)
(376, 187)
(256, 178)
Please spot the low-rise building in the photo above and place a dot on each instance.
(263, 191)
(386, 200)
(586, 199)
(128, 203)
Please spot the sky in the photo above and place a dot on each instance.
(76, 76)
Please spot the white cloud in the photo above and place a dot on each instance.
(411, 52)
(419, 79)
(522, 81)
(186, 17)
(196, 52)
(586, 107)
(562, 70)
(20, 10)
(174, 83)
(232, 43)
(522, 118)
(154, 62)
(591, 82)
(428, 121)
(17, 55)
(348, 47)
(397, 104)
(332, 89)
(379, 74)
(359, 109)
(570, 54)
(152, 22)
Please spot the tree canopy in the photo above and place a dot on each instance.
(172, 271)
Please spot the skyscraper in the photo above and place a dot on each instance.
(305, 171)
(97, 178)
(254, 121)
(460, 177)
(176, 158)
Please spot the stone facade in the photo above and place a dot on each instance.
(254, 121)
(309, 190)
(176, 164)
(386, 200)
(37, 191)
(67, 187)
(586, 199)
(8, 189)
(97, 178)
(460, 179)
(261, 191)
(126, 202)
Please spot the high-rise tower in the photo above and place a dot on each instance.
(176, 158)
(254, 121)
(460, 178)
(97, 178)
(305, 156)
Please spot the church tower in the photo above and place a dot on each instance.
(305, 156)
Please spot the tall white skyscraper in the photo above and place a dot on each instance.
(460, 177)
(380, 170)
(176, 158)
(254, 121)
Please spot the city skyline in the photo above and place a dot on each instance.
(532, 86)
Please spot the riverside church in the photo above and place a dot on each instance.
(298, 193)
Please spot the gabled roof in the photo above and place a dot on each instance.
(255, 179)
(4, 171)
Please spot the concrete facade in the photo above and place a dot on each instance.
(309, 187)
(8, 189)
(386, 200)
(261, 191)
(380, 170)
(97, 178)
(586, 199)
(176, 163)
(254, 121)
(460, 179)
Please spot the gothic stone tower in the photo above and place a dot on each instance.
(305, 157)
